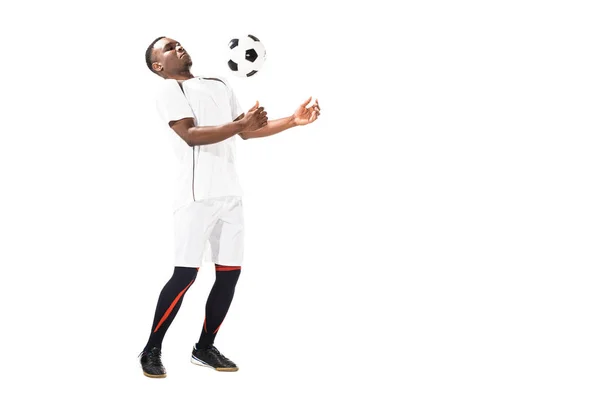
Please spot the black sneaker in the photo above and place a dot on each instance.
(212, 358)
(151, 363)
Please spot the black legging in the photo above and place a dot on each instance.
(218, 303)
(171, 297)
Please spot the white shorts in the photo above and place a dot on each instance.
(220, 221)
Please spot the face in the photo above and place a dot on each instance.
(170, 58)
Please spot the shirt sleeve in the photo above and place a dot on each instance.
(171, 103)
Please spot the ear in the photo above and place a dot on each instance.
(157, 66)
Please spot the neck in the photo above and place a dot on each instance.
(183, 76)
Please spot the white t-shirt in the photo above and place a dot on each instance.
(206, 171)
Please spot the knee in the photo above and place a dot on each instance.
(226, 274)
(185, 273)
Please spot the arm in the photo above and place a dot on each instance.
(303, 115)
(201, 135)
(272, 127)
(256, 118)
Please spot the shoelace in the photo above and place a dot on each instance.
(217, 352)
(154, 357)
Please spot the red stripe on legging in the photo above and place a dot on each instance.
(218, 328)
(172, 306)
(228, 268)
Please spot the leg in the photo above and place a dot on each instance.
(169, 302)
(218, 303)
(193, 223)
(227, 244)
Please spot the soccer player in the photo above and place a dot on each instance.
(205, 118)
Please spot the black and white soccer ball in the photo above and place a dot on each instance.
(246, 56)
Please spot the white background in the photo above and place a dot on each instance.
(434, 235)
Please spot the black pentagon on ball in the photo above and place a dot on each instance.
(233, 43)
(249, 74)
(251, 55)
(232, 65)
(253, 38)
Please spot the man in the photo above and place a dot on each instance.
(206, 117)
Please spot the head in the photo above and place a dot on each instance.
(167, 58)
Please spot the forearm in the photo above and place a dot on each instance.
(272, 127)
(201, 135)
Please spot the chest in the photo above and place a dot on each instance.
(209, 101)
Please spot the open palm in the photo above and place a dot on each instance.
(306, 115)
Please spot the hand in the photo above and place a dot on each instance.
(255, 118)
(306, 115)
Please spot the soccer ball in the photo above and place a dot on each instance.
(246, 56)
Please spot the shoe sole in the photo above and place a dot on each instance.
(154, 376)
(201, 363)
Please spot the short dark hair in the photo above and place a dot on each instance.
(149, 53)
